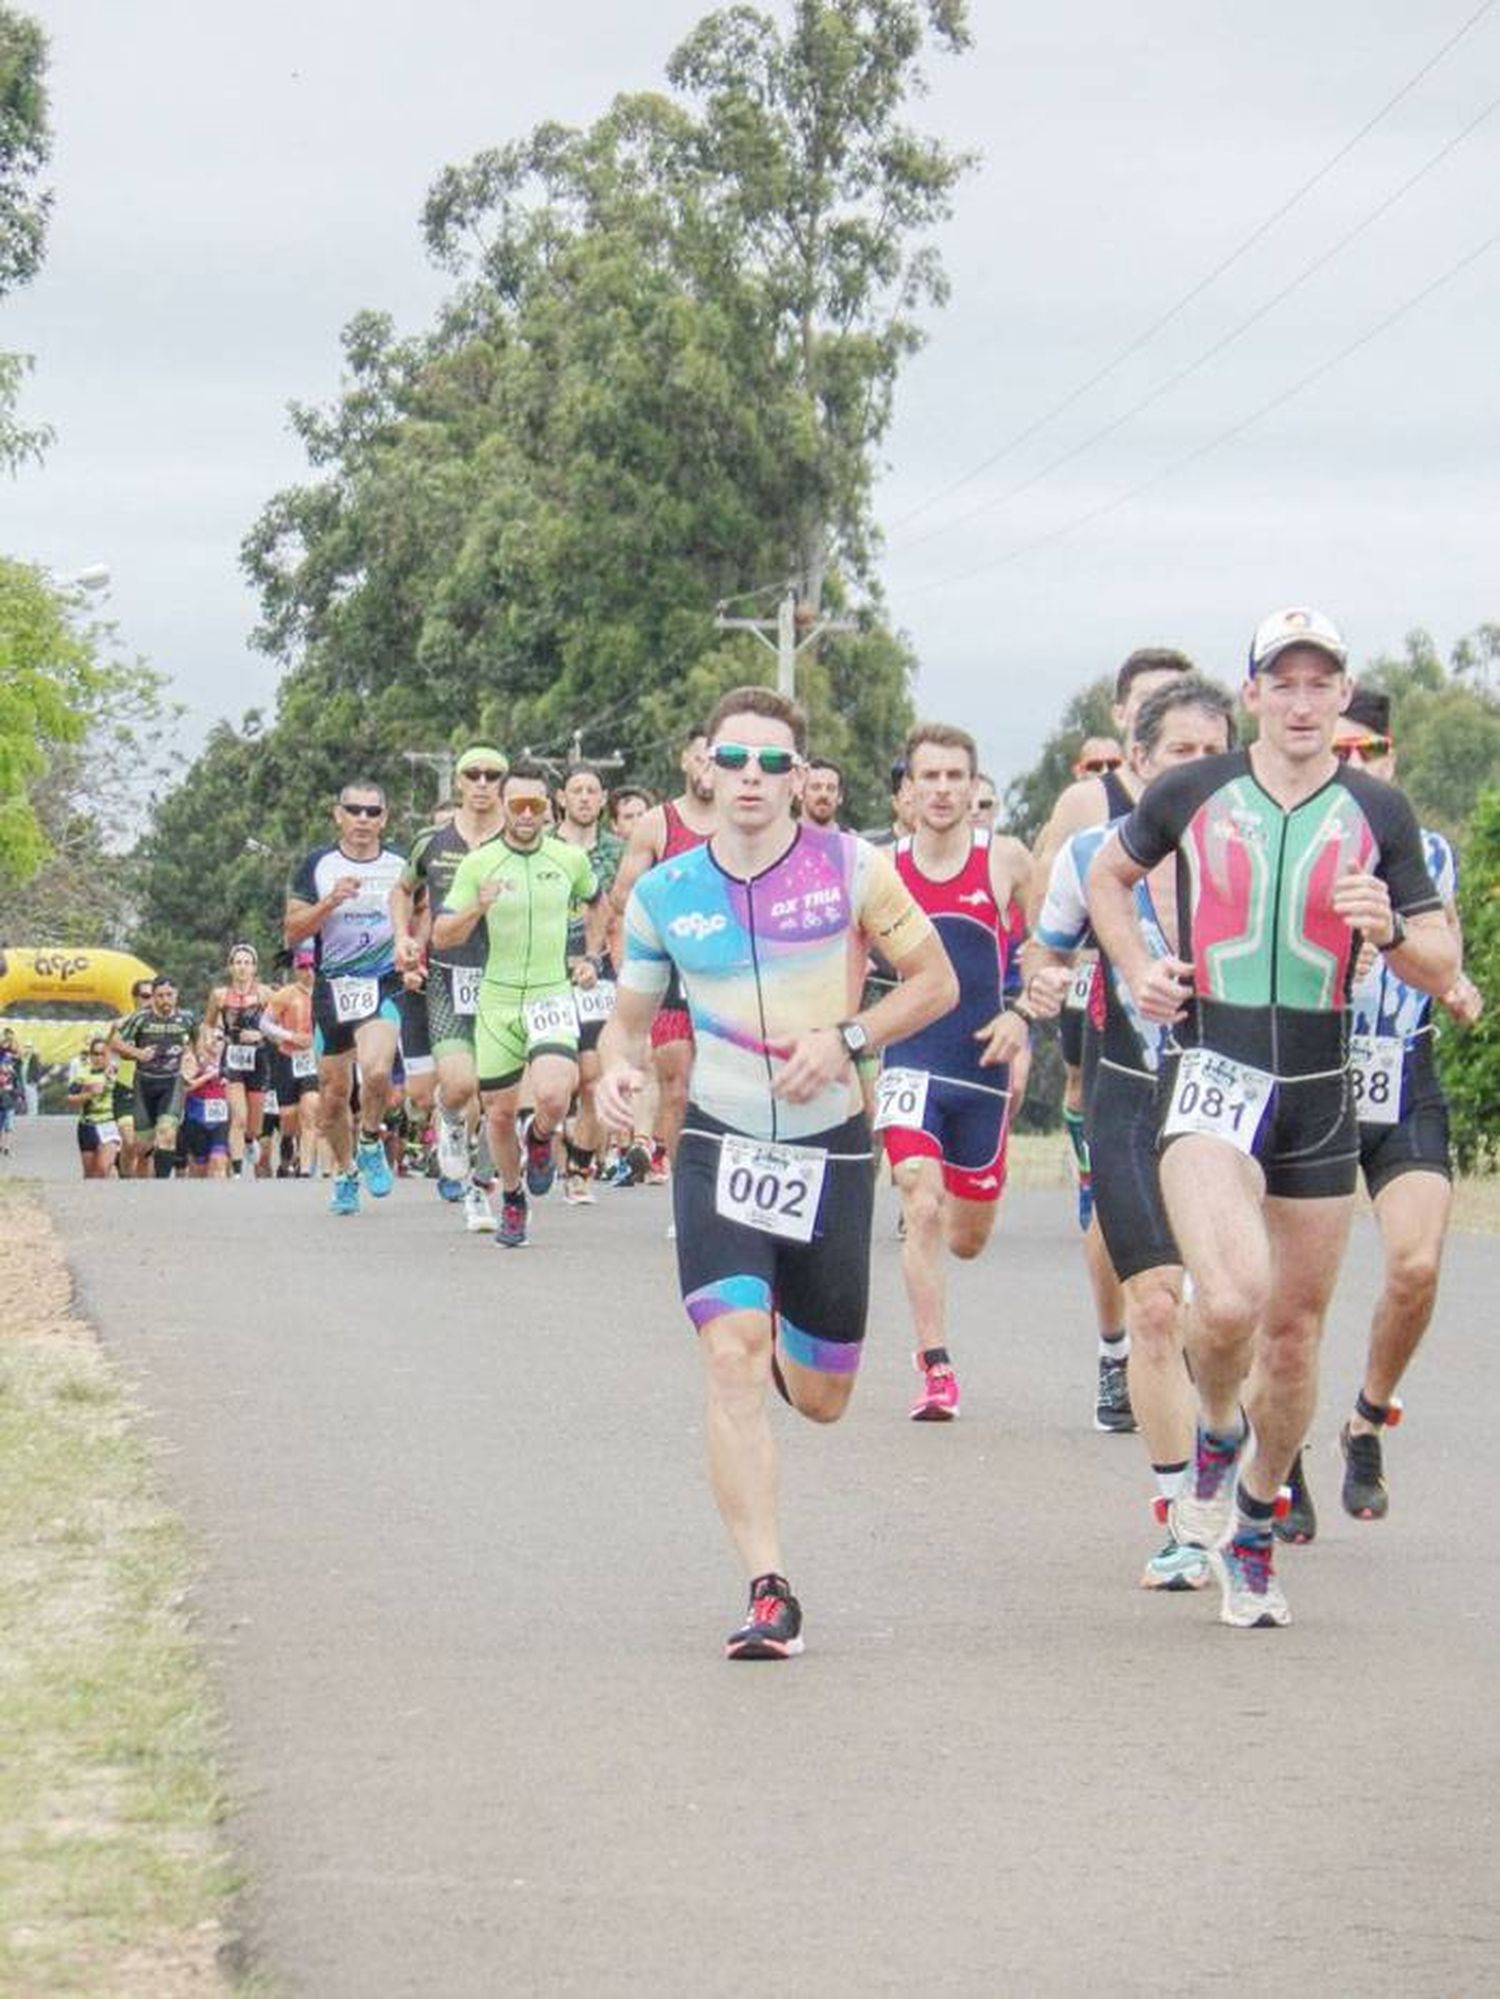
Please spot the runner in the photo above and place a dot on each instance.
(1287, 860)
(944, 1092)
(11, 1094)
(339, 898)
(767, 926)
(288, 1026)
(628, 805)
(663, 833)
(246, 1060)
(1098, 757)
(153, 1038)
(1403, 1151)
(1094, 800)
(124, 1106)
(207, 1115)
(91, 1093)
(985, 803)
(822, 792)
(582, 804)
(1185, 718)
(526, 886)
(453, 976)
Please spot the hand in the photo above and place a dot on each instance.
(251, 1037)
(615, 1094)
(489, 892)
(1464, 1000)
(1364, 902)
(1004, 1039)
(583, 972)
(408, 954)
(1163, 991)
(414, 978)
(1047, 990)
(345, 887)
(816, 1060)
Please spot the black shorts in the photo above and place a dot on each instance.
(1070, 1035)
(449, 1032)
(157, 1099)
(1307, 1141)
(124, 1102)
(255, 1080)
(290, 1089)
(1122, 1124)
(90, 1139)
(416, 1042)
(819, 1290)
(332, 1036)
(1418, 1141)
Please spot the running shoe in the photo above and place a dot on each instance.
(1299, 1524)
(659, 1172)
(1365, 1495)
(452, 1155)
(773, 1629)
(1252, 1596)
(578, 1190)
(541, 1166)
(938, 1401)
(345, 1198)
(373, 1167)
(1202, 1511)
(449, 1190)
(511, 1234)
(1175, 1567)
(1112, 1410)
(479, 1216)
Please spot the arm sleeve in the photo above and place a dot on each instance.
(888, 913)
(1063, 920)
(1151, 831)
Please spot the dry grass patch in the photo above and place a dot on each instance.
(113, 1872)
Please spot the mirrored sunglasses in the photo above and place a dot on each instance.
(1366, 748)
(774, 761)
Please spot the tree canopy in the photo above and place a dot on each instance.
(49, 684)
(25, 147)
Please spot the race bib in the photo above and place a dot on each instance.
(107, 1133)
(214, 1110)
(238, 1059)
(548, 1018)
(467, 980)
(595, 1002)
(1375, 1072)
(272, 1105)
(354, 999)
(774, 1188)
(901, 1099)
(305, 1062)
(1080, 986)
(1218, 1097)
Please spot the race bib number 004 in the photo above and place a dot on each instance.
(547, 1018)
(595, 1002)
(239, 1059)
(774, 1188)
(1218, 1097)
(467, 980)
(900, 1099)
(354, 999)
(1375, 1072)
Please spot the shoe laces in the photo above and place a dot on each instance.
(1363, 1451)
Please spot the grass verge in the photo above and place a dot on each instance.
(114, 1876)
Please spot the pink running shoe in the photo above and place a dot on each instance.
(938, 1401)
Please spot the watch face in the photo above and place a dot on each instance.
(855, 1038)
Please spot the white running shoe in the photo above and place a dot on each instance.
(452, 1148)
(1202, 1512)
(479, 1216)
(1252, 1597)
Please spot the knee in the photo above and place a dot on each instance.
(1156, 1322)
(922, 1200)
(823, 1398)
(1412, 1276)
(1227, 1309)
(738, 1368)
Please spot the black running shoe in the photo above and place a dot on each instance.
(1112, 1410)
(1365, 1496)
(773, 1630)
(1299, 1524)
(541, 1162)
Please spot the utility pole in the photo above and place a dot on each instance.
(786, 645)
(440, 763)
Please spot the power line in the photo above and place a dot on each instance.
(1224, 437)
(1211, 353)
(1197, 290)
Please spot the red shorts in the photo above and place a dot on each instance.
(965, 1129)
(672, 1023)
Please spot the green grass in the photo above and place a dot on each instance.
(114, 1876)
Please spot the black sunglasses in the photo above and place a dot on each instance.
(362, 811)
(483, 776)
(735, 756)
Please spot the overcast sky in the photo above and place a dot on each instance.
(234, 184)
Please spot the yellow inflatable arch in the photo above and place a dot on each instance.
(82, 977)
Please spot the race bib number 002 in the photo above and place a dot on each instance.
(595, 1002)
(354, 999)
(1375, 1073)
(467, 980)
(774, 1188)
(900, 1099)
(1218, 1097)
(548, 1018)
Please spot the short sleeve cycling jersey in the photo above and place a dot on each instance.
(1383, 1003)
(98, 1106)
(1128, 1039)
(526, 928)
(355, 939)
(162, 1036)
(765, 961)
(436, 855)
(604, 857)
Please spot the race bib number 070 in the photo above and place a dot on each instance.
(774, 1188)
(900, 1099)
(1218, 1097)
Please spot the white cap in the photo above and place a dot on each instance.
(1296, 627)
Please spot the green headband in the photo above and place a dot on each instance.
(481, 753)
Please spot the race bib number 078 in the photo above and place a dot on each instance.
(1219, 1098)
(354, 999)
(774, 1188)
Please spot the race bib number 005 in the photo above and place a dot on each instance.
(467, 980)
(774, 1188)
(547, 1018)
(1219, 1098)
(900, 1099)
(595, 1002)
(354, 999)
(1375, 1072)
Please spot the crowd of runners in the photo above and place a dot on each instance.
(728, 992)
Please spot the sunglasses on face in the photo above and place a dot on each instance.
(362, 811)
(1364, 747)
(1097, 766)
(483, 776)
(735, 756)
(526, 808)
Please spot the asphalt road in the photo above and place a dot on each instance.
(466, 1590)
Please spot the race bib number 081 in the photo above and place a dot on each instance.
(1375, 1072)
(1218, 1097)
(901, 1099)
(774, 1188)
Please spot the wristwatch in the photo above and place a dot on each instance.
(1398, 932)
(854, 1038)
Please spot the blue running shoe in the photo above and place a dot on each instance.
(541, 1163)
(1175, 1567)
(345, 1200)
(373, 1167)
(450, 1190)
